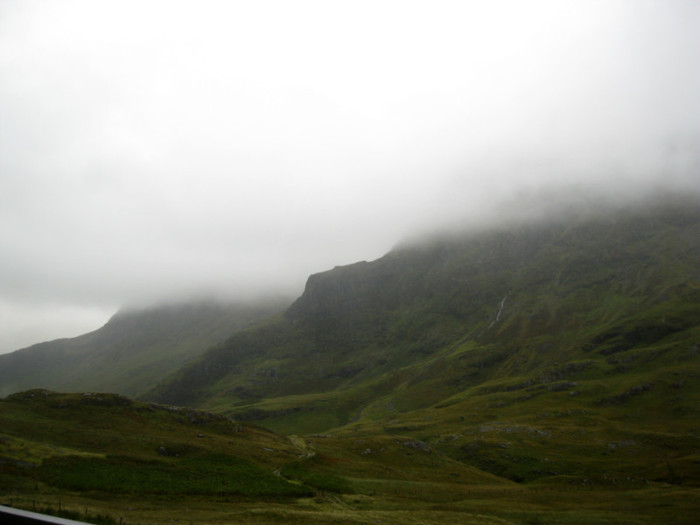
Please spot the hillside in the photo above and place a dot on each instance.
(95, 443)
(546, 372)
(105, 459)
(531, 351)
(132, 352)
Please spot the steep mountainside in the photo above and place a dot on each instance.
(132, 352)
(538, 373)
(586, 327)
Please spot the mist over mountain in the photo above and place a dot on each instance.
(165, 150)
(433, 319)
(135, 348)
(349, 306)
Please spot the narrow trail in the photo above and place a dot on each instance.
(302, 446)
(305, 451)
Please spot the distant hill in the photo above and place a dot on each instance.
(132, 352)
(502, 339)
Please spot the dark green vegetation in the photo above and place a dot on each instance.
(105, 442)
(541, 373)
(132, 351)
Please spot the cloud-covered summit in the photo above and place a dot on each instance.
(151, 150)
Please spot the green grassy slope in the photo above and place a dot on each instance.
(130, 462)
(520, 298)
(568, 351)
(109, 443)
(133, 351)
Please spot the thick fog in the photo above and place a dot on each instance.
(154, 150)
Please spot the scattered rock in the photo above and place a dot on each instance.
(418, 445)
(562, 385)
(624, 396)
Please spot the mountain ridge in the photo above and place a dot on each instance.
(132, 350)
(357, 330)
(546, 372)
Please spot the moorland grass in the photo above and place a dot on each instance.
(207, 474)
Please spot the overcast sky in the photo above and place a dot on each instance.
(150, 150)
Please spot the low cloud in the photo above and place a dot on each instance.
(155, 150)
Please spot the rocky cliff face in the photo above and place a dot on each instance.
(334, 293)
